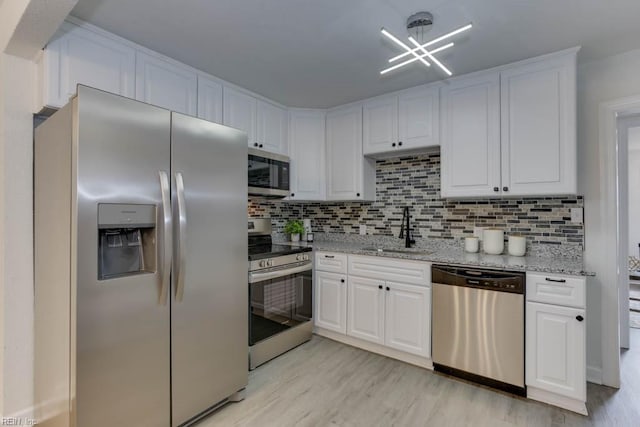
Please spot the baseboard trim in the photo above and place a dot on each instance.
(23, 417)
(423, 362)
(594, 375)
(557, 400)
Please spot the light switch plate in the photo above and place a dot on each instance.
(577, 215)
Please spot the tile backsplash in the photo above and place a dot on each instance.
(415, 182)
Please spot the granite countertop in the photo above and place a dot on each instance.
(457, 256)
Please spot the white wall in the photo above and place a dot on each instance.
(634, 190)
(599, 81)
(17, 95)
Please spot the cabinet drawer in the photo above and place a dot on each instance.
(412, 272)
(331, 262)
(556, 289)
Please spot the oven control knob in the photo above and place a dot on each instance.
(262, 263)
(298, 257)
(305, 257)
(269, 263)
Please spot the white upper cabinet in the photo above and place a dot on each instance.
(80, 56)
(419, 118)
(209, 99)
(349, 175)
(470, 151)
(380, 125)
(239, 112)
(511, 132)
(166, 84)
(271, 128)
(408, 121)
(539, 128)
(307, 153)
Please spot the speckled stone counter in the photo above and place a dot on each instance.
(444, 252)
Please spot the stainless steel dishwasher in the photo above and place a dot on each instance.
(478, 326)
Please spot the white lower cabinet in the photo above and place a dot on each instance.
(408, 318)
(365, 309)
(373, 307)
(556, 338)
(555, 355)
(396, 315)
(331, 301)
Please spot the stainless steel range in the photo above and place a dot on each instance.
(280, 294)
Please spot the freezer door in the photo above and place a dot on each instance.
(121, 325)
(209, 324)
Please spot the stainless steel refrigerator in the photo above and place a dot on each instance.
(140, 264)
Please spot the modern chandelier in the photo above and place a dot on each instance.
(417, 24)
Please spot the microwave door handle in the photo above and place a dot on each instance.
(165, 246)
(181, 238)
(260, 276)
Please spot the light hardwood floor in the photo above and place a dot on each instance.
(325, 383)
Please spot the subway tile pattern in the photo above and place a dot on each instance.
(415, 182)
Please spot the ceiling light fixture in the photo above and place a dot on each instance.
(417, 24)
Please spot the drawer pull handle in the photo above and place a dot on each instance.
(548, 279)
(341, 280)
(473, 282)
(379, 286)
(329, 256)
(579, 318)
(388, 288)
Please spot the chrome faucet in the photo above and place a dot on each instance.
(405, 228)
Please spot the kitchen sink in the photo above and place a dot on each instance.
(397, 251)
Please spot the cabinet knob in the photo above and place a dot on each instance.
(358, 194)
(293, 194)
(393, 144)
(400, 144)
(255, 144)
(579, 318)
(341, 280)
(496, 189)
(379, 286)
(260, 145)
(505, 188)
(388, 288)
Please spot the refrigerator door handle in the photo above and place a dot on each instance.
(166, 247)
(182, 237)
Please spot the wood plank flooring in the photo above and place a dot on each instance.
(325, 383)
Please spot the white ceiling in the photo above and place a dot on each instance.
(323, 53)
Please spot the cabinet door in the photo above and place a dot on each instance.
(365, 309)
(555, 350)
(271, 128)
(165, 84)
(331, 301)
(209, 99)
(408, 318)
(419, 118)
(470, 151)
(239, 111)
(380, 125)
(307, 153)
(344, 154)
(79, 56)
(539, 128)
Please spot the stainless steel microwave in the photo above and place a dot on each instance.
(268, 174)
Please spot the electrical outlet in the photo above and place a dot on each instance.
(363, 229)
(577, 215)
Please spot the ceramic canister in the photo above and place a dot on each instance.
(517, 245)
(471, 244)
(493, 241)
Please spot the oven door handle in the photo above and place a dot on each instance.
(274, 274)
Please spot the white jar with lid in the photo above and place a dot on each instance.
(493, 241)
(517, 245)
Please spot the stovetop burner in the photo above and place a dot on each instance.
(272, 250)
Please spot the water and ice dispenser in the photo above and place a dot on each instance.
(126, 240)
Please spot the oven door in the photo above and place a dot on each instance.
(279, 299)
(268, 174)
